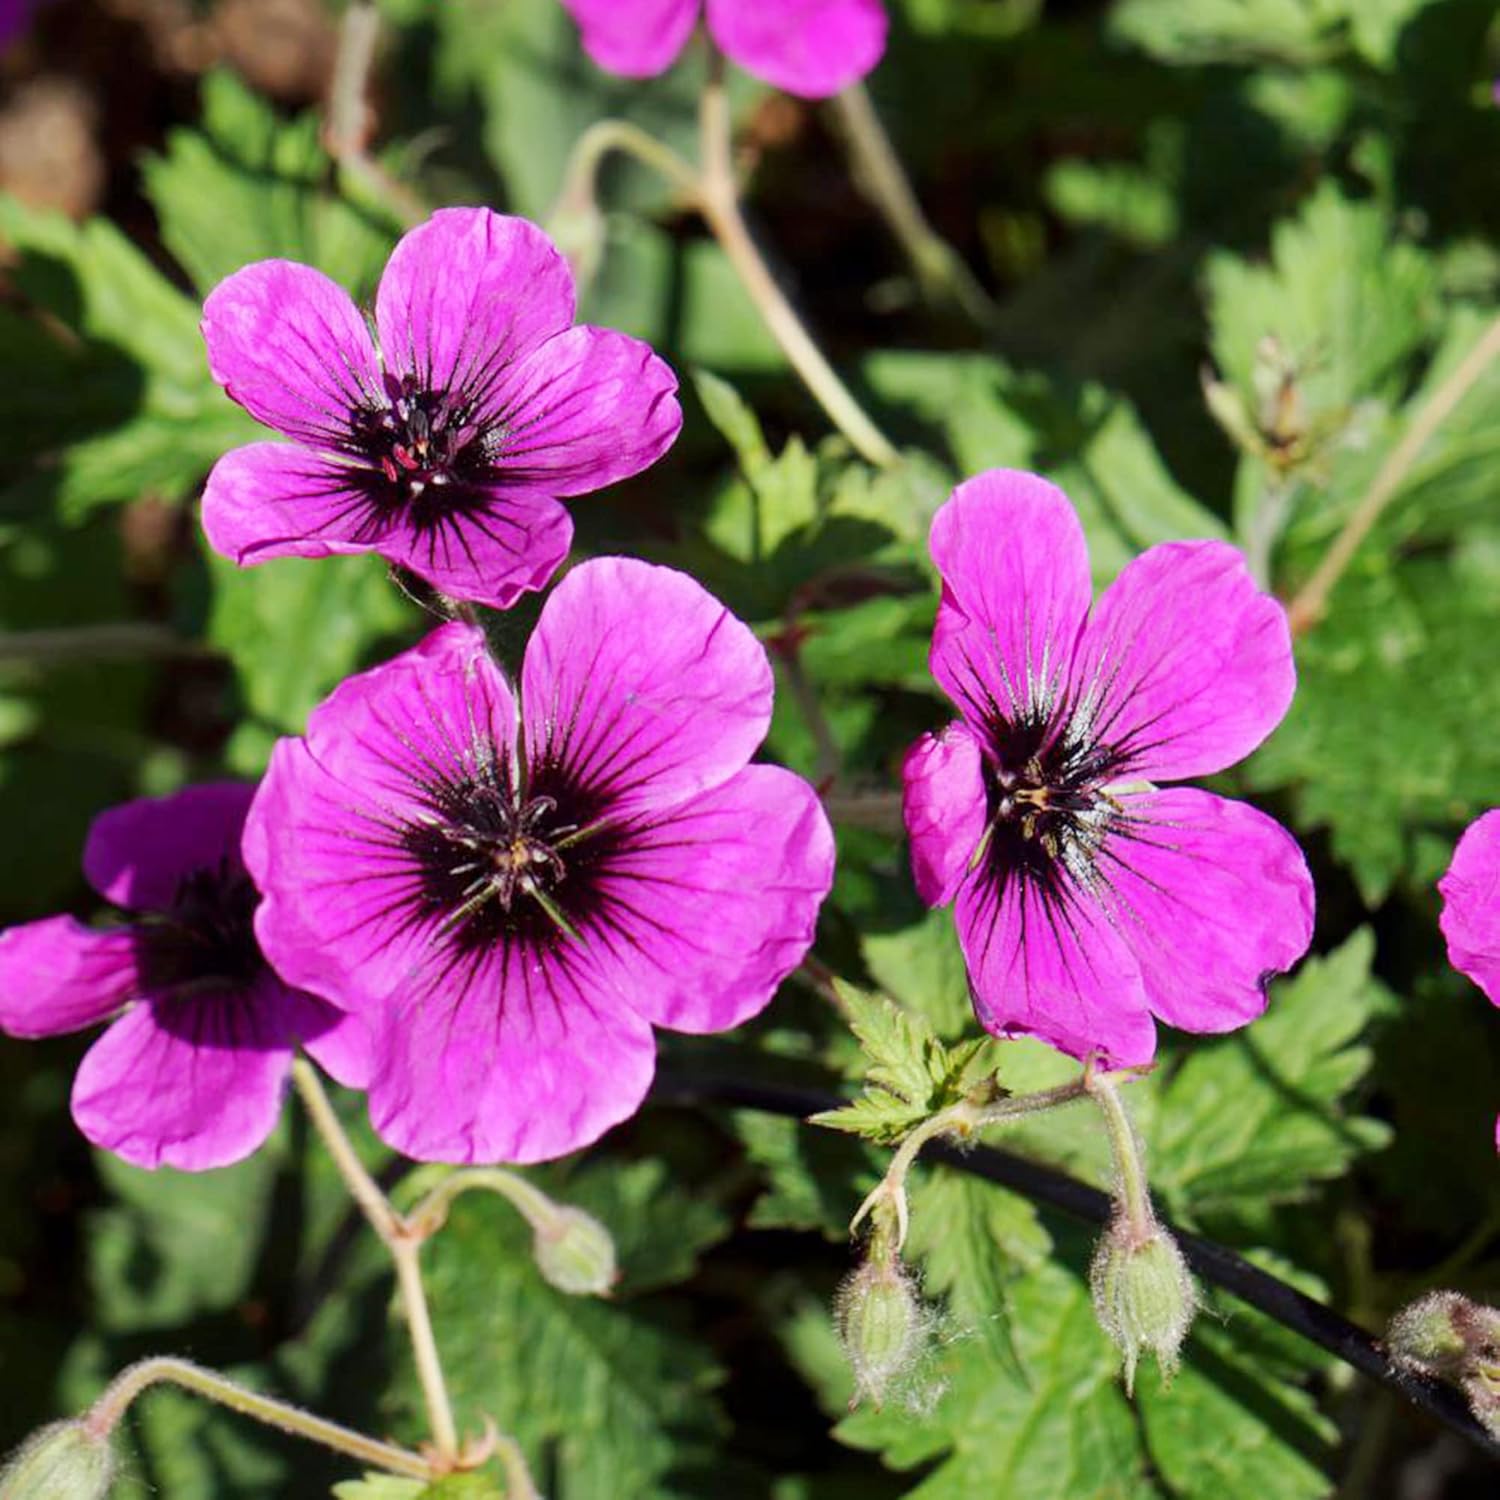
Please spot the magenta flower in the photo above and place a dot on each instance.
(446, 448)
(1089, 900)
(191, 1073)
(809, 47)
(514, 887)
(1471, 909)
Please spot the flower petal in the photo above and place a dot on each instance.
(583, 410)
(1016, 593)
(57, 975)
(1471, 905)
(642, 686)
(490, 548)
(467, 294)
(704, 912)
(635, 38)
(193, 1083)
(1049, 964)
(812, 48)
(339, 1043)
(136, 853)
(341, 913)
(291, 347)
(1213, 897)
(943, 806)
(270, 500)
(521, 1056)
(1186, 666)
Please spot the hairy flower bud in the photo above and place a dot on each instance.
(62, 1462)
(574, 1253)
(881, 1325)
(1144, 1297)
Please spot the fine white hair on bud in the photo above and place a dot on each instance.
(62, 1462)
(882, 1326)
(575, 1253)
(1446, 1335)
(1144, 1295)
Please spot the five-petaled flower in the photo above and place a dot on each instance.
(1087, 898)
(192, 1073)
(1471, 908)
(809, 47)
(445, 449)
(511, 887)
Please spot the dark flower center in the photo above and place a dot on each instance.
(498, 863)
(1047, 804)
(421, 441)
(207, 939)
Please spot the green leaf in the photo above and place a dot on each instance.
(1288, 1075)
(815, 1181)
(607, 1397)
(909, 1074)
(1346, 302)
(1082, 438)
(295, 627)
(152, 421)
(736, 422)
(381, 1487)
(1364, 753)
(250, 186)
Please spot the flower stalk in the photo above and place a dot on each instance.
(105, 1414)
(403, 1240)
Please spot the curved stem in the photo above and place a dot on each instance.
(600, 140)
(405, 1247)
(539, 1211)
(1135, 1195)
(941, 271)
(101, 1418)
(718, 201)
(1311, 600)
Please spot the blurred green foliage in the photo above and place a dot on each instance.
(1235, 246)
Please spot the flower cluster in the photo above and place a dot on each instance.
(809, 47)
(474, 897)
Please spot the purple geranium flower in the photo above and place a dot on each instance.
(446, 448)
(1471, 908)
(513, 887)
(191, 1073)
(809, 47)
(1087, 898)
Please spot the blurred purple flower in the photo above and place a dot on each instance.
(512, 892)
(809, 47)
(445, 449)
(1089, 900)
(1471, 908)
(15, 16)
(191, 1073)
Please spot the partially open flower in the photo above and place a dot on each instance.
(809, 47)
(191, 1071)
(1471, 908)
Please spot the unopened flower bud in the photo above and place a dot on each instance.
(881, 1326)
(62, 1462)
(1448, 1335)
(574, 1253)
(1144, 1297)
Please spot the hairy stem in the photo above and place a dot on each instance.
(959, 1121)
(539, 1211)
(347, 134)
(1311, 601)
(941, 271)
(720, 206)
(101, 1419)
(404, 1245)
(580, 187)
(1135, 1195)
